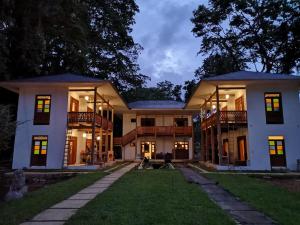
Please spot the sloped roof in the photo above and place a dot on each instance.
(249, 75)
(156, 104)
(59, 78)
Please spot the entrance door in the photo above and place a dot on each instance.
(72, 150)
(242, 149)
(277, 151)
(148, 149)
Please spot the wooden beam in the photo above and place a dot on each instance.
(93, 128)
(219, 137)
(231, 88)
(81, 90)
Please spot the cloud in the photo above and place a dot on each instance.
(163, 28)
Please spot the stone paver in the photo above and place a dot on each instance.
(59, 213)
(240, 211)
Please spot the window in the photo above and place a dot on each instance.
(39, 150)
(276, 145)
(181, 122)
(225, 147)
(42, 110)
(273, 107)
(182, 145)
(147, 122)
(133, 120)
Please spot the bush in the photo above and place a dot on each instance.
(7, 127)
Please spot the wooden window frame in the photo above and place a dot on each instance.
(42, 118)
(44, 163)
(185, 119)
(185, 143)
(274, 117)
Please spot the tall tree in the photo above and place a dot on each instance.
(54, 36)
(189, 87)
(257, 32)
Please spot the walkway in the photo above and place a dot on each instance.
(62, 211)
(240, 211)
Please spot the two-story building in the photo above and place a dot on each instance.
(249, 120)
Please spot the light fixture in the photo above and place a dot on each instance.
(213, 106)
(227, 96)
(84, 135)
(100, 108)
(98, 138)
(86, 98)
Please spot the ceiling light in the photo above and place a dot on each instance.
(86, 97)
(84, 135)
(227, 96)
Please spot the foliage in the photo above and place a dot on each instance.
(18, 211)
(264, 33)
(280, 204)
(151, 197)
(219, 64)
(189, 87)
(90, 37)
(7, 127)
(164, 90)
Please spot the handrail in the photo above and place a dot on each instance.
(88, 117)
(225, 117)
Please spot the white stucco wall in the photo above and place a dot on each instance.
(258, 130)
(55, 130)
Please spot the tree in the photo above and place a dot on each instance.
(219, 64)
(189, 87)
(164, 90)
(90, 37)
(256, 32)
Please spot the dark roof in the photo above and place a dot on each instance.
(60, 78)
(249, 75)
(156, 104)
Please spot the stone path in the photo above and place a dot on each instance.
(58, 214)
(240, 211)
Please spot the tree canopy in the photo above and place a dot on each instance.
(90, 37)
(258, 33)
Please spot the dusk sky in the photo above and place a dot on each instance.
(163, 28)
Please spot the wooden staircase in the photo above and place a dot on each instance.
(126, 139)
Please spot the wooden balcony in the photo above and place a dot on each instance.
(226, 117)
(86, 119)
(164, 131)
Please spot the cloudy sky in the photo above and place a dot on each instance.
(163, 28)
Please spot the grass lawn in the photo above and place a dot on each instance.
(18, 211)
(280, 204)
(151, 197)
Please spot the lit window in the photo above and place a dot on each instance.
(182, 145)
(273, 108)
(39, 150)
(42, 109)
(276, 145)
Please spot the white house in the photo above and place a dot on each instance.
(250, 120)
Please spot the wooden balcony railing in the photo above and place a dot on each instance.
(235, 117)
(87, 117)
(164, 131)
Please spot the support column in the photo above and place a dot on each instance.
(212, 142)
(112, 132)
(101, 131)
(136, 136)
(93, 127)
(106, 132)
(219, 137)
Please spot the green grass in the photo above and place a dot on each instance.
(18, 211)
(151, 197)
(280, 204)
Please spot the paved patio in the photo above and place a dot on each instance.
(59, 213)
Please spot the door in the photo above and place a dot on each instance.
(148, 149)
(242, 149)
(277, 151)
(72, 153)
(74, 105)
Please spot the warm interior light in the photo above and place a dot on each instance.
(100, 108)
(213, 107)
(98, 138)
(227, 96)
(84, 135)
(86, 97)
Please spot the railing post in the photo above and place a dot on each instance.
(219, 126)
